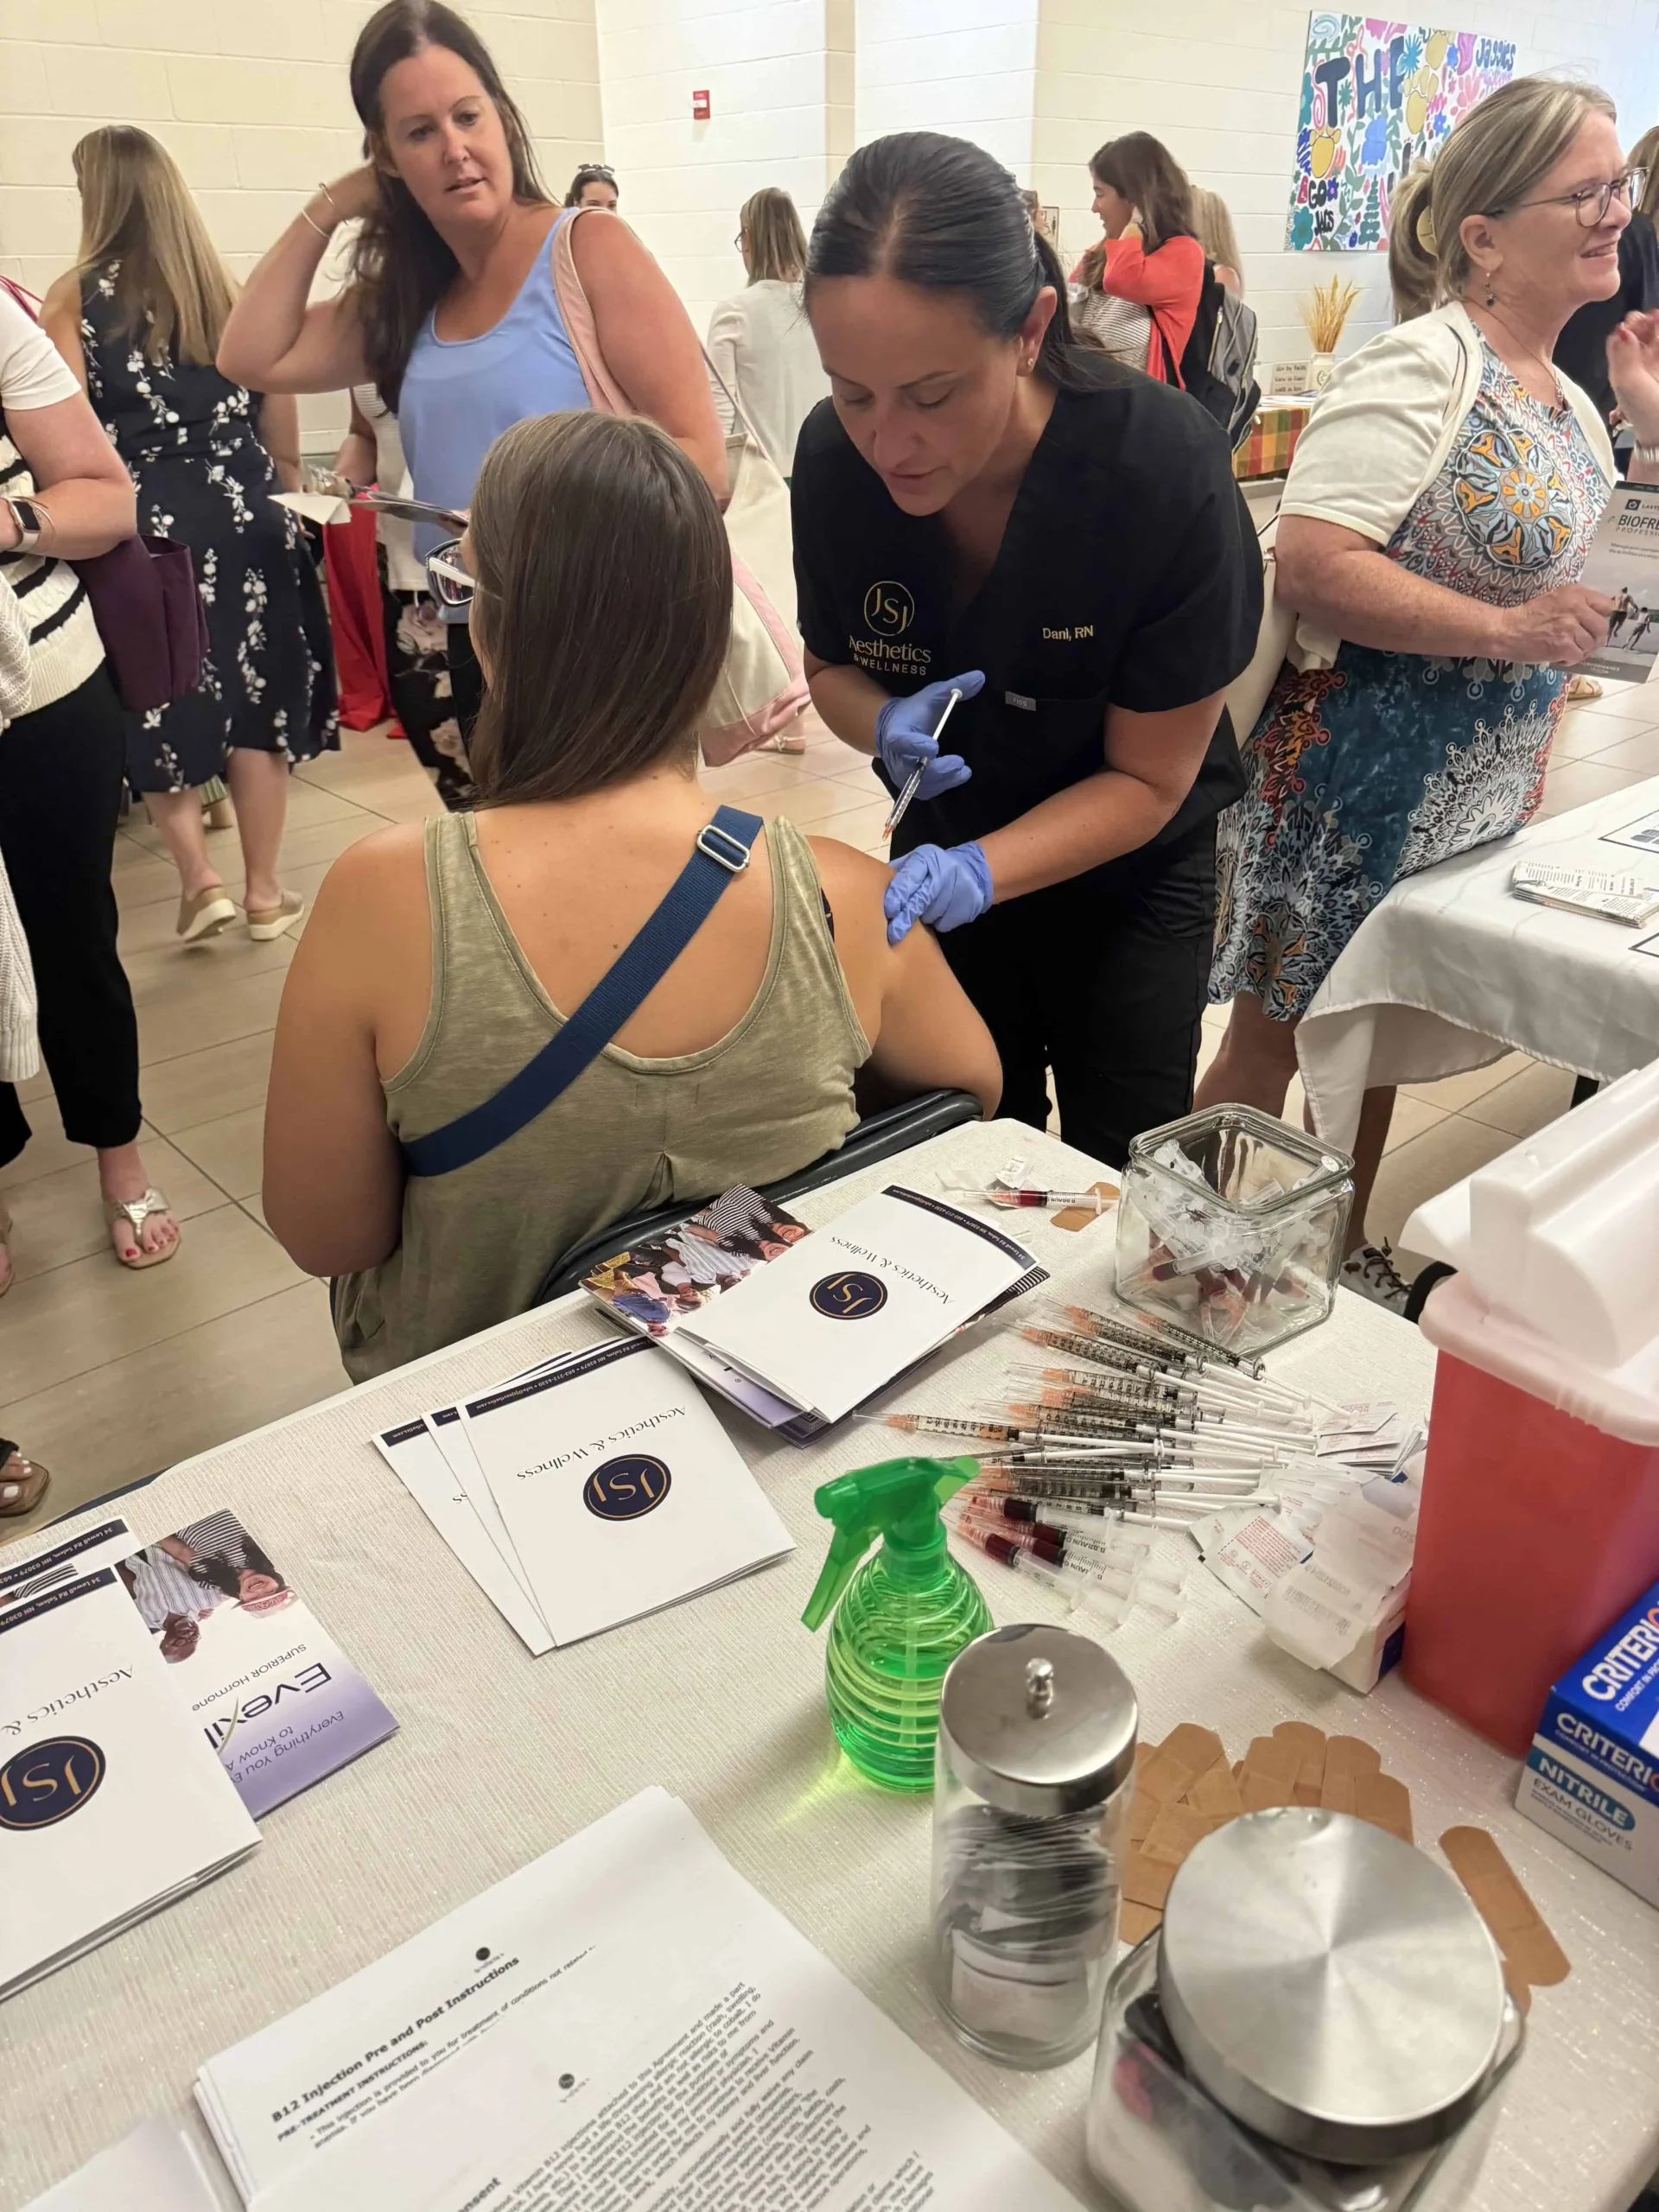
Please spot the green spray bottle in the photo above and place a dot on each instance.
(905, 1616)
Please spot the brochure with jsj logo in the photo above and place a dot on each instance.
(619, 1491)
(272, 1694)
(112, 1803)
(845, 1311)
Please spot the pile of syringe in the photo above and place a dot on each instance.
(1123, 1426)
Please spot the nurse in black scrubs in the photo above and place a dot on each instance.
(986, 504)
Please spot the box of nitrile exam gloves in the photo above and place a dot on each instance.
(1592, 1777)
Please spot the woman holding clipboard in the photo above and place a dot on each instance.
(986, 505)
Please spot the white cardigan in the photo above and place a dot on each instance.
(1382, 430)
(762, 345)
(20, 1055)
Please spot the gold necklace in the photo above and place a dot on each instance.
(1528, 354)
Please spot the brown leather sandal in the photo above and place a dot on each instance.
(22, 1485)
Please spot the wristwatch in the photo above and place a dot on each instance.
(29, 515)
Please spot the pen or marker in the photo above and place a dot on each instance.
(912, 782)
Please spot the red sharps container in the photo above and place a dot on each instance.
(1540, 1518)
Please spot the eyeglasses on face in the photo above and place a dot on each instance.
(1591, 205)
(448, 580)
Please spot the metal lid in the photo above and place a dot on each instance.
(1039, 1721)
(1331, 1987)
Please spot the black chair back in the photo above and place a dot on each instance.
(876, 1138)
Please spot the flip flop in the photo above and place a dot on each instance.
(136, 1212)
(22, 1485)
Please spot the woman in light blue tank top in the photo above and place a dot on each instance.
(451, 309)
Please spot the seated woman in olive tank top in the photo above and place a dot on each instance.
(443, 956)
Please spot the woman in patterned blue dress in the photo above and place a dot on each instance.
(138, 320)
(1434, 526)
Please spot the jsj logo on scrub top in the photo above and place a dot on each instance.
(48, 1781)
(848, 1296)
(889, 609)
(624, 1489)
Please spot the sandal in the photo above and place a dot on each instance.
(267, 922)
(204, 914)
(136, 1212)
(22, 1485)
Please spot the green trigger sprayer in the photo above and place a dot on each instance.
(905, 1614)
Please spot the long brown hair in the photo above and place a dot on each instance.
(588, 530)
(136, 211)
(776, 242)
(1144, 171)
(400, 266)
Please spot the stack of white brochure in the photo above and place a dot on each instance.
(666, 2040)
(847, 1309)
(154, 2168)
(587, 1492)
(112, 1801)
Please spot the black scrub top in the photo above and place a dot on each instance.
(1580, 352)
(1130, 574)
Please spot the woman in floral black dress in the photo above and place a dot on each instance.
(138, 320)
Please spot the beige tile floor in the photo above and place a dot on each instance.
(107, 1375)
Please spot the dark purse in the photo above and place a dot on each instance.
(149, 615)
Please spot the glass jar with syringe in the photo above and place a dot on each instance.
(1231, 1227)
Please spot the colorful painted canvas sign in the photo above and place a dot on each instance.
(1376, 97)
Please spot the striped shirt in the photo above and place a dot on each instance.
(65, 647)
(160, 1587)
(218, 1536)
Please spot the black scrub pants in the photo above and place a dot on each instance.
(61, 769)
(1105, 986)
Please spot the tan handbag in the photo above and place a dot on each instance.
(1248, 692)
(762, 687)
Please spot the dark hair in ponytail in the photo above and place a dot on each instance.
(945, 216)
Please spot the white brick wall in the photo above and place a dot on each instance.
(968, 66)
(779, 92)
(250, 99)
(1220, 84)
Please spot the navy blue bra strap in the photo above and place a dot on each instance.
(721, 851)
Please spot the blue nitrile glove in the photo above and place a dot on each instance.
(942, 885)
(904, 739)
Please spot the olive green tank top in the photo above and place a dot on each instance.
(772, 1094)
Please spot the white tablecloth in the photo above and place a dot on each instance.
(1451, 972)
(721, 1701)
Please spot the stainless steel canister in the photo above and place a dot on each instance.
(1036, 1756)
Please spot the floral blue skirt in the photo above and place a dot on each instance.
(1359, 774)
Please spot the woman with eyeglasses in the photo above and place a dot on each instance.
(594, 186)
(451, 308)
(1433, 527)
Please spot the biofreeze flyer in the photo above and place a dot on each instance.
(1624, 562)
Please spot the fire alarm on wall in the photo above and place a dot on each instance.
(699, 107)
